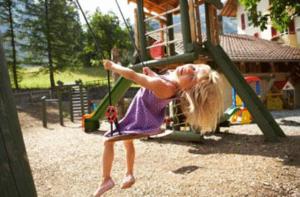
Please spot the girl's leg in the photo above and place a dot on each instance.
(108, 157)
(130, 157)
(107, 161)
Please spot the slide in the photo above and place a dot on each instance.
(229, 112)
(91, 122)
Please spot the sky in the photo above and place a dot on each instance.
(90, 6)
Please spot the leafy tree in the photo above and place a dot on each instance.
(109, 34)
(281, 13)
(53, 33)
(7, 8)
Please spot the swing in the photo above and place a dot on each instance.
(111, 112)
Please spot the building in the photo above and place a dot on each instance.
(290, 37)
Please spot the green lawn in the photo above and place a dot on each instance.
(36, 77)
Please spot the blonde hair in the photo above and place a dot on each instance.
(203, 103)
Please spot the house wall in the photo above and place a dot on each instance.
(290, 39)
(250, 30)
(297, 29)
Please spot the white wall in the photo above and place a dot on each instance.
(250, 30)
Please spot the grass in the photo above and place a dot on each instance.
(37, 77)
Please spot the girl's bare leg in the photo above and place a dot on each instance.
(108, 157)
(130, 157)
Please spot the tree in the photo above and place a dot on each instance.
(109, 34)
(53, 33)
(7, 16)
(281, 13)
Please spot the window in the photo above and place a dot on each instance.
(292, 27)
(243, 24)
(273, 31)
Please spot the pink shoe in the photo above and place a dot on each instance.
(128, 181)
(104, 187)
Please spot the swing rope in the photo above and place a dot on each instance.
(111, 112)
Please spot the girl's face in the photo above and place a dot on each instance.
(189, 74)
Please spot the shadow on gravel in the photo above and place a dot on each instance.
(35, 111)
(186, 169)
(286, 151)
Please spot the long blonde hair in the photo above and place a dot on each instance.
(203, 103)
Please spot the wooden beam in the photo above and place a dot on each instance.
(198, 23)
(185, 25)
(16, 178)
(192, 20)
(261, 115)
(142, 30)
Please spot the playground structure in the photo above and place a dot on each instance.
(196, 50)
(240, 112)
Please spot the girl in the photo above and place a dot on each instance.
(201, 101)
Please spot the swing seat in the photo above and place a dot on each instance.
(120, 137)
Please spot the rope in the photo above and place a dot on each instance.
(98, 49)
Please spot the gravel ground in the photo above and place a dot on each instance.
(65, 161)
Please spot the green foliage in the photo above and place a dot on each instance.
(109, 34)
(281, 13)
(38, 77)
(65, 33)
(8, 19)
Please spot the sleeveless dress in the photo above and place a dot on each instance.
(145, 114)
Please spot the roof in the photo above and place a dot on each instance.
(160, 6)
(250, 49)
(230, 8)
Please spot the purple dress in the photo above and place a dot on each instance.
(145, 114)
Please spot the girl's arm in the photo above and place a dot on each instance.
(160, 87)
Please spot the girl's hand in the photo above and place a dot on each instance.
(107, 64)
(149, 72)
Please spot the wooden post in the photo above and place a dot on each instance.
(192, 20)
(60, 108)
(44, 111)
(142, 31)
(71, 104)
(185, 25)
(211, 24)
(16, 178)
(170, 35)
(198, 23)
(81, 97)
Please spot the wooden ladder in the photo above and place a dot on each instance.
(79, 99)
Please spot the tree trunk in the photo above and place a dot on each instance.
(13, 44)
(49, 48)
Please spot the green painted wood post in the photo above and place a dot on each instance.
(261, 115)
(170, 33)
(207, 21)
(142, 30)
(44, 111)
(15, 177)
(185, 26)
